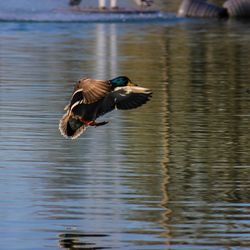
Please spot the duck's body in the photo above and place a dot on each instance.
(94, 98)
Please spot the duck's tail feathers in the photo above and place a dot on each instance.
(70, 126)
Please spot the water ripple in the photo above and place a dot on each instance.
(170, 175)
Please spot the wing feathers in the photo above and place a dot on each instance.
(130, 97)
(124, 98)
(94, 90)
(88, 91)
(134, 100)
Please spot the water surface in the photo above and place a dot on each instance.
(173, 174)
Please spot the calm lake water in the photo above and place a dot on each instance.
(173, 174)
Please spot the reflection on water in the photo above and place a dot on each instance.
(78, 241)
(208, 138)
(106, 50)
(170, 175)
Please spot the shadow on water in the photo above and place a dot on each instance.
(80, 241)
(170, 175)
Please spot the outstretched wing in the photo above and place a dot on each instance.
(88, 91)
(128, 97)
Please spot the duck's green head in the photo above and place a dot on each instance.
(121, 81)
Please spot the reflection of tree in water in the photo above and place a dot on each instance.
(208, 134)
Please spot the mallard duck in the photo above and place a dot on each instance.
(94, 98)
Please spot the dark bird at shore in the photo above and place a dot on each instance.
(74, 2)
(93, 98)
